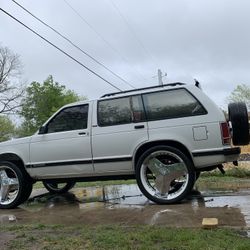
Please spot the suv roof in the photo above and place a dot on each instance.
(141, 89)
(127, 92)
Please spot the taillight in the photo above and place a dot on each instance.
(225, 133)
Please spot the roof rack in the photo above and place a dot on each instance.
(146, 88)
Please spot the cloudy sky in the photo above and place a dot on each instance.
(208, 40)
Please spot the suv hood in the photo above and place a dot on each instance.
(15, 141)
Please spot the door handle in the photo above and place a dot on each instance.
(139, 126)
(82, 133)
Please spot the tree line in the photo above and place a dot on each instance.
(35, 103)
(31, 105)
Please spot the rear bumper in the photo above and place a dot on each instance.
(226, 152)
(203, 159)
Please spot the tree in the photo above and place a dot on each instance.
(7, 128)
(241, 94)
(10, 88)
(41, 101)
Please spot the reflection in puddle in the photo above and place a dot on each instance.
(242, 202)
(126, 204)
(157, 215)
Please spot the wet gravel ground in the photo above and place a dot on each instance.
(124, 204)
(244, 157)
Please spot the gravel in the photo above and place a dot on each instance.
(244, 157)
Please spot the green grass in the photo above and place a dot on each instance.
(232, 172)
(239, 175)
(93, 184)
(120, 237)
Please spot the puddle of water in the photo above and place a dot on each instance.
(126, 204)
(125, 195)
(117, 194)
(241, 202)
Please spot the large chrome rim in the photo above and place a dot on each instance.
(9, 185)
(164, 175)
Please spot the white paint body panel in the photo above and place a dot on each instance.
(61, 147)
(118, 141)
(19, 147)
(68, 146)
(111, 143)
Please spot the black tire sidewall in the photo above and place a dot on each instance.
(27, 191)
(189, 165)
(65, 189)
(238, 117)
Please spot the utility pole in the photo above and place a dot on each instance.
(160, 76)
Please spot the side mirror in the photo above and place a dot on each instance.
(42, 130)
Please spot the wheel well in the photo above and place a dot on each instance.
(15, 159)
(148, 145)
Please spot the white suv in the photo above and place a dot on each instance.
(163, 136)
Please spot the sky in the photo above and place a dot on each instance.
(208, 40)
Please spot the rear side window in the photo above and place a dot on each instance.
(114, 112)
(171, 104)
(120, 111)
(71, 118)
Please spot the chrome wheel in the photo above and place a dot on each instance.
(9, 185)
(164, 174)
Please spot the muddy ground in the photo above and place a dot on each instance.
(124, 204)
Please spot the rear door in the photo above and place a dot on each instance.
(119, 127)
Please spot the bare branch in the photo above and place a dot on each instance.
(11, 90)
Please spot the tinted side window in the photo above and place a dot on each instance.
(114, 112)
(171, 104)
(71, 118)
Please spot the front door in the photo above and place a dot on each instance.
(64, 149)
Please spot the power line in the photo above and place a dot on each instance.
(65, 53)
(100, 36)
(73, 44)
(132, 31)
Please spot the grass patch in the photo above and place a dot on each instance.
(217, 183)
(235, 178)
(122, 237)
(230, 172)
(232, 175)
(39, 184)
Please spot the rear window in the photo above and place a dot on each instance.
(171, 104)
(114, 112)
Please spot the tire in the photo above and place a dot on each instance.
(15, 183)
(27, 191)
(165, 175)
(197, 175)
(53, 187)
(238, 116)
